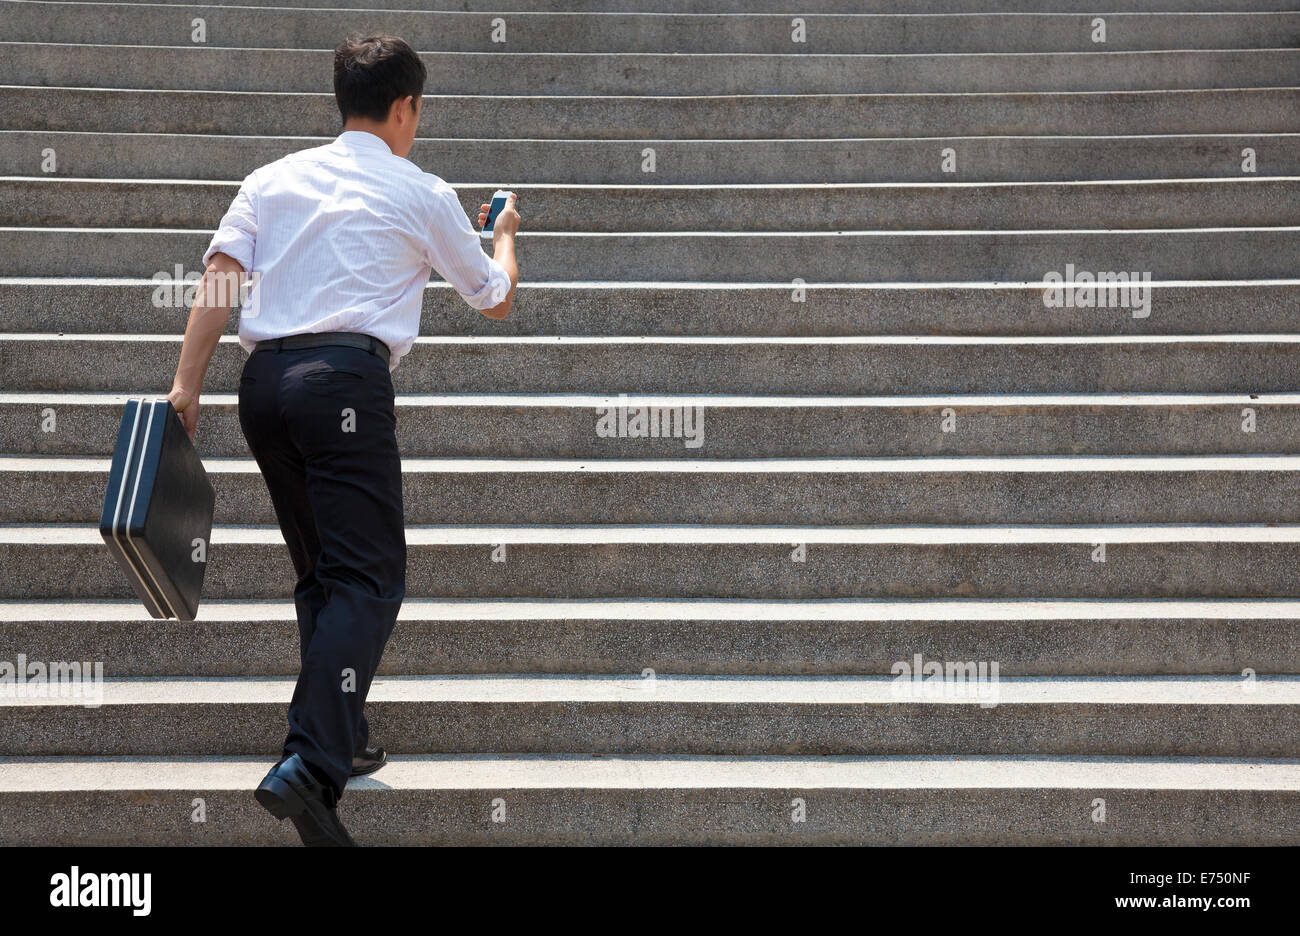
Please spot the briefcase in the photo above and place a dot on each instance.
(157, 517)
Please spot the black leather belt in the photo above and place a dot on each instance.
(320, 339)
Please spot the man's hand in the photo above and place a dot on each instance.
(503, 250)
(186, 405)
(507, 222)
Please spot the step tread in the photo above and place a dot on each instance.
(491, 772)
(684, 609)
(593, 400)
(1036, 464)
(845, 234)
(1094, 53)
(692, 187)
(431, 535)
(17, 338)
(760, 691)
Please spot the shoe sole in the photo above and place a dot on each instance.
(279, 799)
(367, 771)
(283, 802)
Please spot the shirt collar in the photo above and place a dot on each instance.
(363, 140)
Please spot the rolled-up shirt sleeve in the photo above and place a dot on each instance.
(455, 251)
(238, 231)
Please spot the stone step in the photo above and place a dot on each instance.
(585, 800)
(737, 637)
(749, 116)
(783, 6)
(1242, 202)
(665, 678)
(74, 306)
(978, 159)
(951, 257)
(1201, 716)
(1168, 561)
(807, 367)
(546, 426)
(278, 28)
(797, 491)
(185, 67)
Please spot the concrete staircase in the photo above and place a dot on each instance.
(694, 644)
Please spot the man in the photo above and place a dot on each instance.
(338, 242)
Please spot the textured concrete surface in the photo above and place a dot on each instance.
(864, 716)
(725, 562)
(746, 716)
(1243, 202)
(175, 65)
(831, 366)
(833, 493)
(827, 529)
(747, 427)
(634, 691)
(1042, 638)
(456, 31)
(783, 7)
(753, 116)
(82, 305)
(952, 257)
(143, 155)
(609, 801)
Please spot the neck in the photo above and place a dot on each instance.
(383, 131)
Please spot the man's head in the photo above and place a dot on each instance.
(378, 82)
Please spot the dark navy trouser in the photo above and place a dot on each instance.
(320, 423)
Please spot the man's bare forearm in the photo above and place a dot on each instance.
(504, 253)
(213, 300)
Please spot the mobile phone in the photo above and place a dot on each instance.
(498, 202)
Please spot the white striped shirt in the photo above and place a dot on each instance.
(342, 238)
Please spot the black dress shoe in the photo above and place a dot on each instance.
(369, 760)
(291, 792)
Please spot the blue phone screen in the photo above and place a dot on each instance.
(494, 209)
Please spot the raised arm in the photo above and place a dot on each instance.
(455, 251)
(503, 250)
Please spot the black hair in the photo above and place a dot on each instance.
(371, 73)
